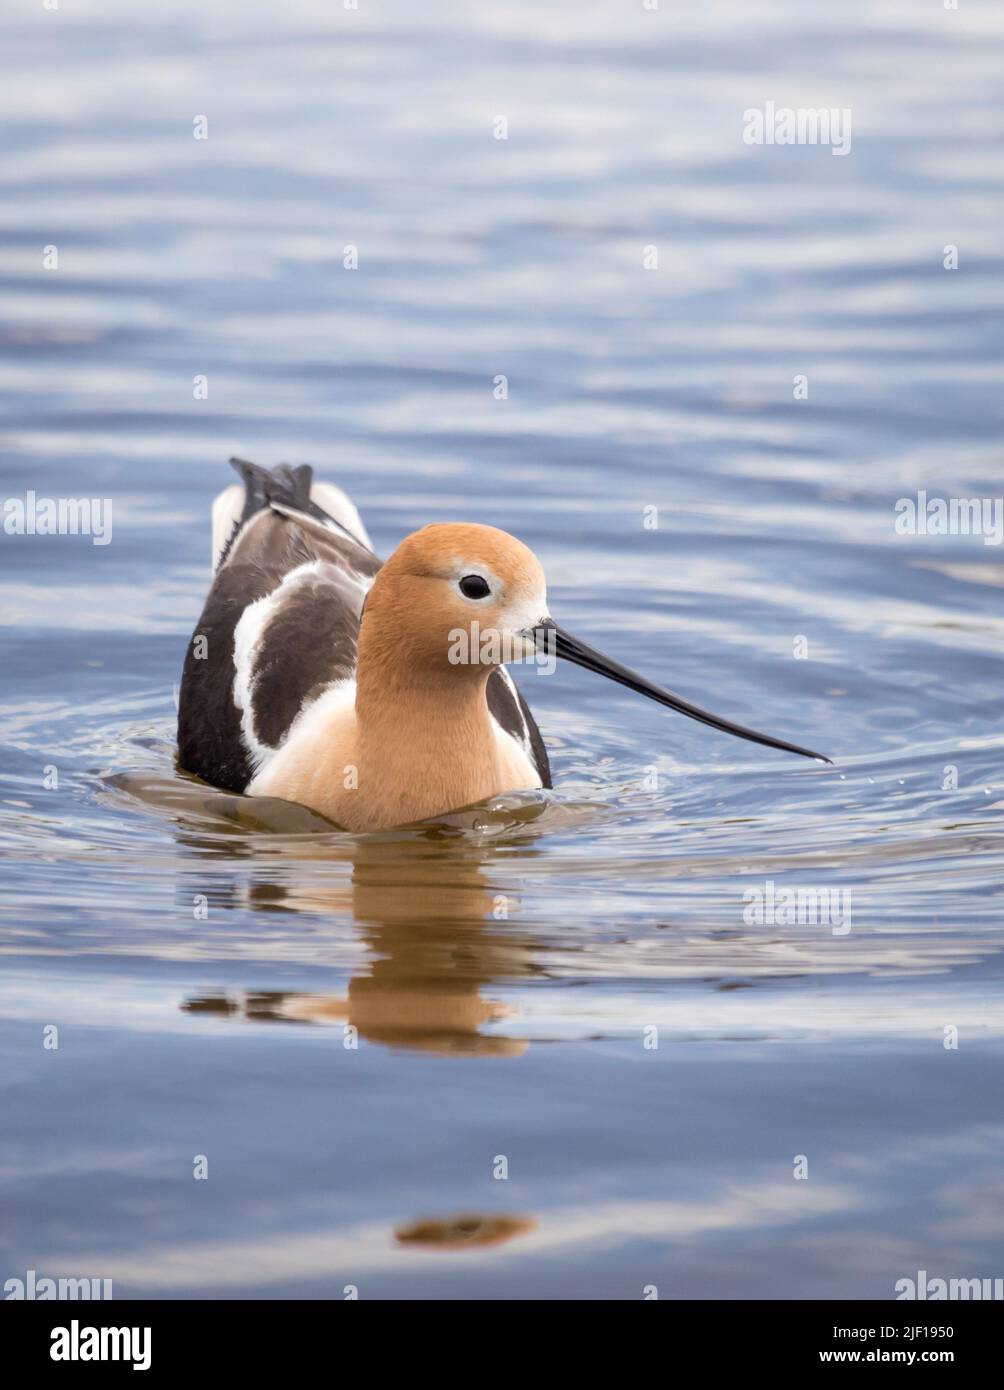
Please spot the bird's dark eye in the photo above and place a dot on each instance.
(473, 586)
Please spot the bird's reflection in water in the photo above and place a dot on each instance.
(437, 930)
(464, 1232)
(436, 927)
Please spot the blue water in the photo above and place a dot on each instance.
(506, 976)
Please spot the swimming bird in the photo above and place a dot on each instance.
(375, 694)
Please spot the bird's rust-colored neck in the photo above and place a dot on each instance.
(426, 741)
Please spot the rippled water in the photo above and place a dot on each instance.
(206, 959)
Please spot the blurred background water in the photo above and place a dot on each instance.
(206, 961)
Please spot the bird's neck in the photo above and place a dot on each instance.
(426, 741)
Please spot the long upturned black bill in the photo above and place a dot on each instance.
(549, 636)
